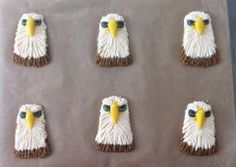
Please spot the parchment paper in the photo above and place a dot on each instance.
(157, 86)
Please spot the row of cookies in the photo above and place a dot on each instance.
(198, 48)
(114, 130)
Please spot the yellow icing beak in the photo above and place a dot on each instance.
(114, 112)
(199, 26)
(112, 27)
(30, 26)
(30, 118)
(200, 117)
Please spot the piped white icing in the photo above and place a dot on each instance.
(31, 47)
(196, 46)
(195, 137)
(26, 138)
(116, 134)
(107, 47)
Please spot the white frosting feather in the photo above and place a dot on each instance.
(195, 137)
(107, 47)
(196, 46)
(116, 134)
(31, 47)
(26, 138)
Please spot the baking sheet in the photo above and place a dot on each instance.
(157, 86)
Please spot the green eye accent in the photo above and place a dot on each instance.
(23, 22)
(22, 114)
(38, 22)
(206, 22)
(120, 24)
(37, 113)
(104, 24)
(207, 113)
(191, 113)
(122, 108)
(106, 108)
(190, 22)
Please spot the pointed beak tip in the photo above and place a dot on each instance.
(200, 33)
(30, 26)
(114, 112)
(30, 126)
(200, 118)
(30, 119)
(200, 126)
(199, 26)
(112, 27)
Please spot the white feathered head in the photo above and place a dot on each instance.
(114, 123)
(198, 41)
(199, 126)
(30, 131)
(30, 40)
(113, 37)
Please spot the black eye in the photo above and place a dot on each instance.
(37, 113)
(120, 24)
(106, 107)
(38, 22)
(191, 113)
(22, 114)
(206, 22)
(23, 22)
(207, 113)
(190, 22)
(122, 108)
(104, 24)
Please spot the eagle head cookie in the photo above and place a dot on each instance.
(199, 48)
(30, 135)
(113, 42)
(30, 48)
(114, 130)
(198, 130)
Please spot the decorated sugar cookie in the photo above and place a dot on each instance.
(31, 135)
(198, 130)
(199, 48)
(30, 48)
(114, 130)
(113, 42)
